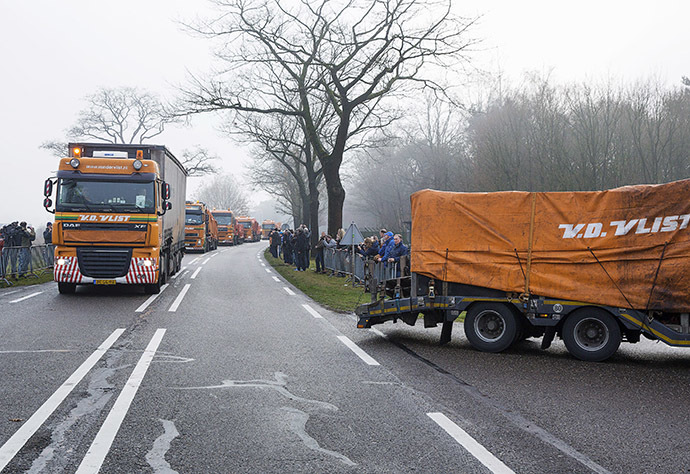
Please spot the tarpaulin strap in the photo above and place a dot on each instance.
(445, 268)
(520, 262)
(656, 275)
(612, 280)
(531, 238)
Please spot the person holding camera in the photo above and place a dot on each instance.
(27, 235)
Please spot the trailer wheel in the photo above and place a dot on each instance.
(491, 327)
(67, 288)
(591, 334)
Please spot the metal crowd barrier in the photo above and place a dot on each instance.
(340, 261)
(18, 262)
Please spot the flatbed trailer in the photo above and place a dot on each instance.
(594, 268)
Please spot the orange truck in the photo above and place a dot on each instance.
(119, 216)
(266, 227)
(201, 228)
(594, 268)
(251, 231)
(228, 229)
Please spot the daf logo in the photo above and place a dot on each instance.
(557, 308)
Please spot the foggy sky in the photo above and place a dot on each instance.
(55, 53)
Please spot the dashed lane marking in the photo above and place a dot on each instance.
(196, 272)
(356, 349)
(312, 311)
(289, 291)
(267, 270)
(27, 430)
(179, 298)
(276, 278)
(26, 297)
(470, 444)
(178, 273)
(95, 456)
(151, 299)
(206, 261)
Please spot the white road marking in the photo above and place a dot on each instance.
(466, 441)
(179, 298)
(194, 260)
(104, 439)
(312, 311)
(196, 272)
(263, 264)
(276, 278)
(212, 255)
(178, 273)
(11, 292)
(360, 353)
(289, 291)
(267, 270)
(22, 435)
(206, 261)
(26, 297)
(146, 303)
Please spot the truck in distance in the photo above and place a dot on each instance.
(228, 229)
(594, 268)
(201, 228)
(251, 232)
(266, 227)
(119, 216)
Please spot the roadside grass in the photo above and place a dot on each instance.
(42, 277)
(332, 292)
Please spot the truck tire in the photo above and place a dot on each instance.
(491, 327)
(591, 334)
(67, 288)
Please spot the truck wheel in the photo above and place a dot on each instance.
(591, 334)
(67, 288)
(491, 327)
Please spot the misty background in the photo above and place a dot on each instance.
(554, 97)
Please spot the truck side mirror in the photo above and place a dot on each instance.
(48, 203)
(168, 205)
(48, 187)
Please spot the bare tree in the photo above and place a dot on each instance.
(121, 115)
(198, 161)
(223, 192)
(344, 55)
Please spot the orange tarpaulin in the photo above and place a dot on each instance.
(625, 247)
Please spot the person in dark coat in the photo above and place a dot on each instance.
(287, 247)
(394, 252)
(301, 248)
(369, 248)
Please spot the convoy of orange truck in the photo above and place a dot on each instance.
(595, 268)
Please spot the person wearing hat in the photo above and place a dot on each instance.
(387, 241)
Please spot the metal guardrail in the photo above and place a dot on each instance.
(17, 262)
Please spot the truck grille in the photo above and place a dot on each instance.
(103, 262)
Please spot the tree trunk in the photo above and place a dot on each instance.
(336, 195)
(313, 210)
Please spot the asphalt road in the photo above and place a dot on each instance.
(230, 369)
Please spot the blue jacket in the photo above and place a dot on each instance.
(395, 252)
(385, 246)
(371, 251)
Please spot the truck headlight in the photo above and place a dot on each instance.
(145, 263)
(61, 261)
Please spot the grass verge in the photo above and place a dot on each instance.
(335, 293)
(39, 278)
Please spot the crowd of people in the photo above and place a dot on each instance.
(295, 249)
(15, 244)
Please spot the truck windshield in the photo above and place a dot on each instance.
(268, 226)
(193, 217)
(223, 219)
(105, 196)
(247, 225)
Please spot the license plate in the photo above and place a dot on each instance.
(104, 282)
